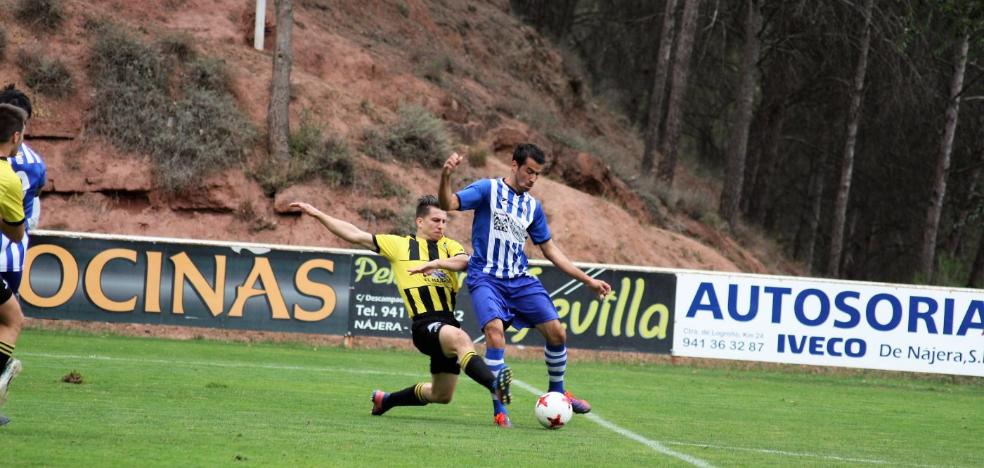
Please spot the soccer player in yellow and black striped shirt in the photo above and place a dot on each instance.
(12, 120)
(425, 266)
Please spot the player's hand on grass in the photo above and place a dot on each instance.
(424, 269)
(601, 288)
(452, 163)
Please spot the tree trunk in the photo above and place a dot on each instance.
(816, 205)
(738, 141)
(847, 164)
(278, 114)
(960, 226)
(761, 195)
(658, 94)
(977, 271)
(927, 259)
(678, 90)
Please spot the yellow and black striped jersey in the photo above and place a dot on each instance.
(434, 292)
(11, 195)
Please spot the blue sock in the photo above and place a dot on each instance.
(556, 360)
(495, 360)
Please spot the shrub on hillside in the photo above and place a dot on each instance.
(418, 136)
(3, 44)
(204, 132)
(46, 14)
(477, 157)
(377, 184)
(210, 74)
(312, 154)
(48, 76)
(188, 136)
(373, 144)
(180, 46)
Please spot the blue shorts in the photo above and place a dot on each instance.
(521, 302)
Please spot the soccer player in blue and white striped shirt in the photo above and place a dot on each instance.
(503, 292)
(30, 168)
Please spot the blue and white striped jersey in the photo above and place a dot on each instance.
(30, 168)
(503, 220)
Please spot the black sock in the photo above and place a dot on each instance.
(6, 351)
(410, 396)
(478, 370)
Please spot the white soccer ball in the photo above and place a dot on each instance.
(553, 410)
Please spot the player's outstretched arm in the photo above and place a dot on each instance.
(560, 260)
(340, 228)
(456, 263)
(445, 195)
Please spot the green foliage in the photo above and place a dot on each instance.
(180, 46)
(45, 14)
(210, 74)
(189, 132)
(952, 271)
(205, 131)
(406, 222)
(377, 184)
(312, 154)
(695, 203)
(373, 144)
(478, 156)
(433, 67)
(418, 136)
(46, 75)
(403, 9)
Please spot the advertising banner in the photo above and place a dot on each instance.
(332, 291)
(172, 282)
(377, 308)
(636, 317)
(829, 323)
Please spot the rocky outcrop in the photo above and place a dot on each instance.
(589, 174)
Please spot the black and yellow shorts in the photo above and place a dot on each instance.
(425, 331)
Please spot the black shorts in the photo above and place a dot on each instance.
(425, 332)
(5, 291)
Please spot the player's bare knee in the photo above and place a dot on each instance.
(11, 315)
(455, 341)
(555, 335)
(495, 336)
(442, 398)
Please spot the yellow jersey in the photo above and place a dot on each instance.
(11, 195)
(433, 292)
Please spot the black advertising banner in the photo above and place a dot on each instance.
(377, 308)
(636, 317)
(170, 282)
(278, 288)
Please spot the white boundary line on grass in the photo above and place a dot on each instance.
(655, 445)
(625, 432)
(784, 453)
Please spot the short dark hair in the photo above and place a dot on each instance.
(13, 96)
(11, 121)
(425, 203)
(528, 150)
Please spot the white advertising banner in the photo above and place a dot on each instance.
(829, 323)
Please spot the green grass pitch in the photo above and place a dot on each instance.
(155, 402)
